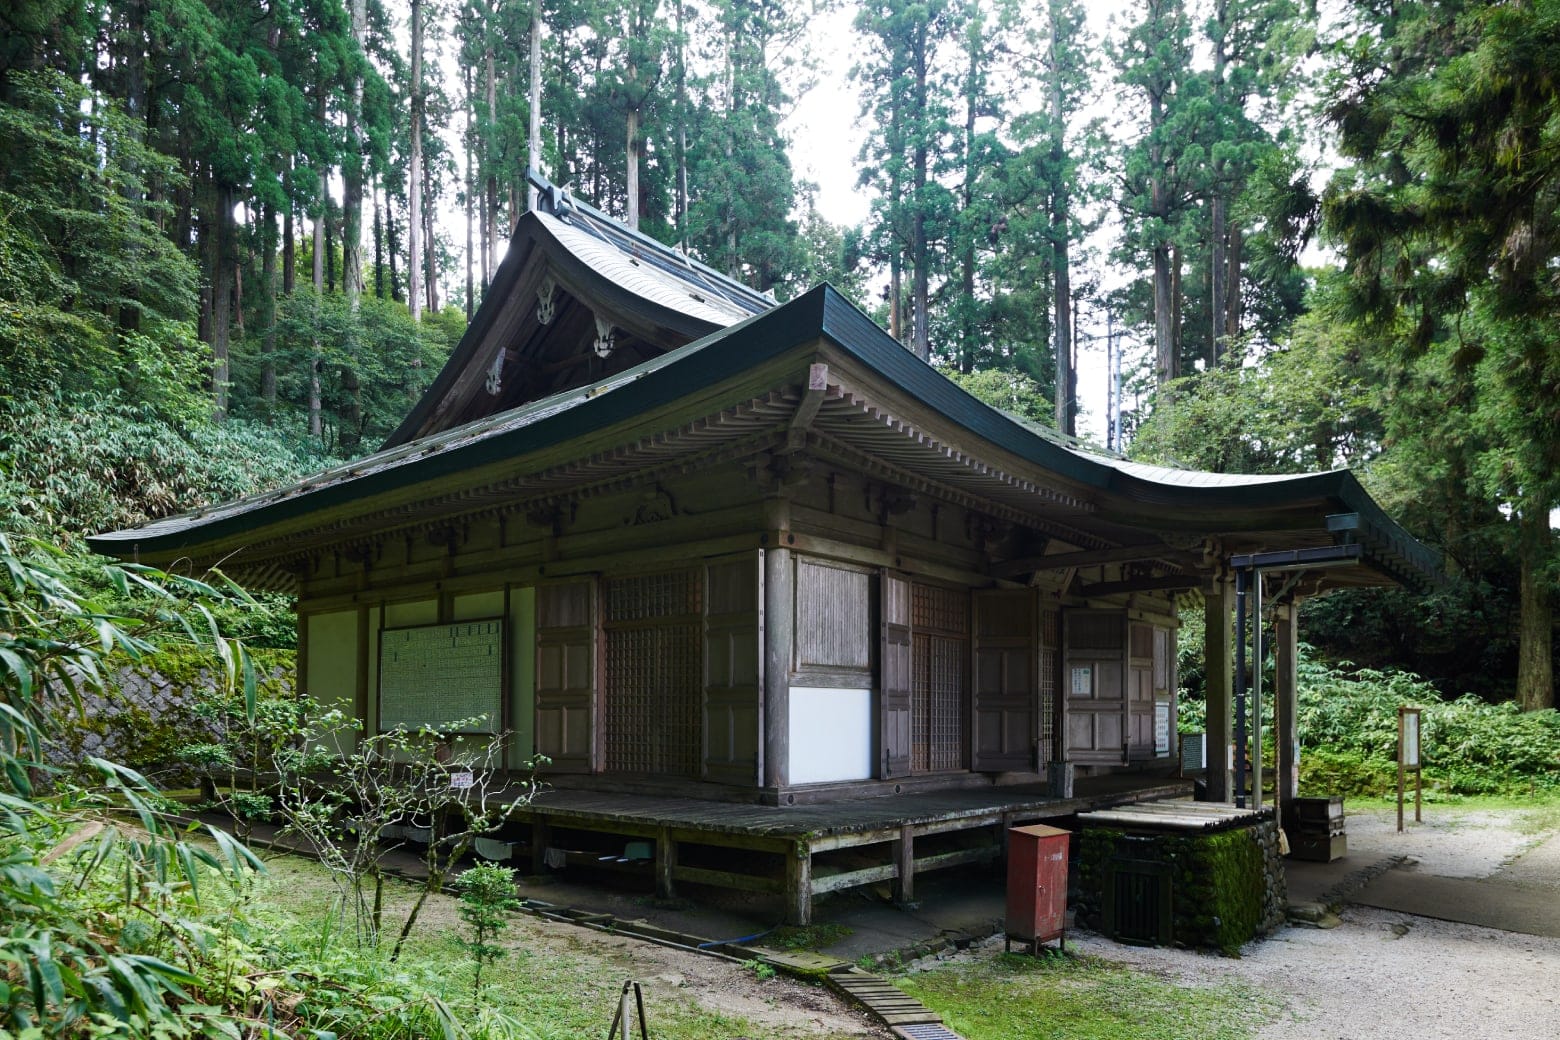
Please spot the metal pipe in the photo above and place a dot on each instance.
(1240, 689)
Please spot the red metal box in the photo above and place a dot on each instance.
(1037, 885)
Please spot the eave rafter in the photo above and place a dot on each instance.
(750, 428)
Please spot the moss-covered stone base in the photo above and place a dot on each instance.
(151, 708)
(1226, 887)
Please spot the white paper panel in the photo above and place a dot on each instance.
(831, 735)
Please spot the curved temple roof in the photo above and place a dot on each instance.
(1130, 502)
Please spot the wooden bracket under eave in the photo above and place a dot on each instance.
(807, 410)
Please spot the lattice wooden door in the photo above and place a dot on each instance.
(654, 679)
(939, 700)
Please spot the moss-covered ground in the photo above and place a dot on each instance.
(1061, 997)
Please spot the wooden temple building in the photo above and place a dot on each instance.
(752, 577)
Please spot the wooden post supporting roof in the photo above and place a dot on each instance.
(1286, 724)
(777, 621)
(1219, 672)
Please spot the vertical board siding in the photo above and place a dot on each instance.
(1140, 691)
(1050, 667)
(833, 630)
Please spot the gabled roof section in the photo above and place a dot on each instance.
(577, 299)
(882, 408)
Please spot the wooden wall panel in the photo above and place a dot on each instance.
(733, 675)
(833, 628)
(939, 704)
(1095, 683)
(566, 676)
(1149, 683)
(894, 684)
(1006, 681)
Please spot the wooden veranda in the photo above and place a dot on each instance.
(799, 852)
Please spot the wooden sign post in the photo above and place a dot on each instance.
(1408, 761)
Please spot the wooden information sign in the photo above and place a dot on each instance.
(1408, 761)
(434, 676)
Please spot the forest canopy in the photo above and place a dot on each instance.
(238, 239)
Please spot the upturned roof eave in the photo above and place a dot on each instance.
(702, 366)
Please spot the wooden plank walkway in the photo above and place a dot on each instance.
(820, 822)
(795, 836)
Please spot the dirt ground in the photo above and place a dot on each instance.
(782, 1007)
(1380, 974)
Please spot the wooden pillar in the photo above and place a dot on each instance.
(904, 867)
(1286, 785)
(541, 837)
(1219, 669)
(778, 618)
(665, 863)
(798, 885)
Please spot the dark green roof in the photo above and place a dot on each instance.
(1124, 493)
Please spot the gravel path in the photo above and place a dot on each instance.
(1385, 975)
(1393, 976)
(1382, 975)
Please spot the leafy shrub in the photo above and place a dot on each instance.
(96, 462)
(1348, 728)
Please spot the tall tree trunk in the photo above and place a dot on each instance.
(470, 192)
(289, 233)
(379, 248)
(352, 173)
(533, 127)
(414, 176)
(316, 421)
(265, 309)
(1535, 648)
(430, 250)
(1061, 271)
(966, 201)
(732, 265)
(392, 251)
(222, 276)
(330, 248)
(1166, 363)
(1165, 367)
(631, 185)
(1218, 201)
(681, 215)
(896, 320)
(919, 251)
(1232, 315)
(490, 229)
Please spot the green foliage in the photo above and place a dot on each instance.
(1348, 723)
(373, 363)
(1017, 997)
(110, 931)
(95, 463)
(1309, 404)
(1007, 390)
(487, 897)
(1451, 231)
